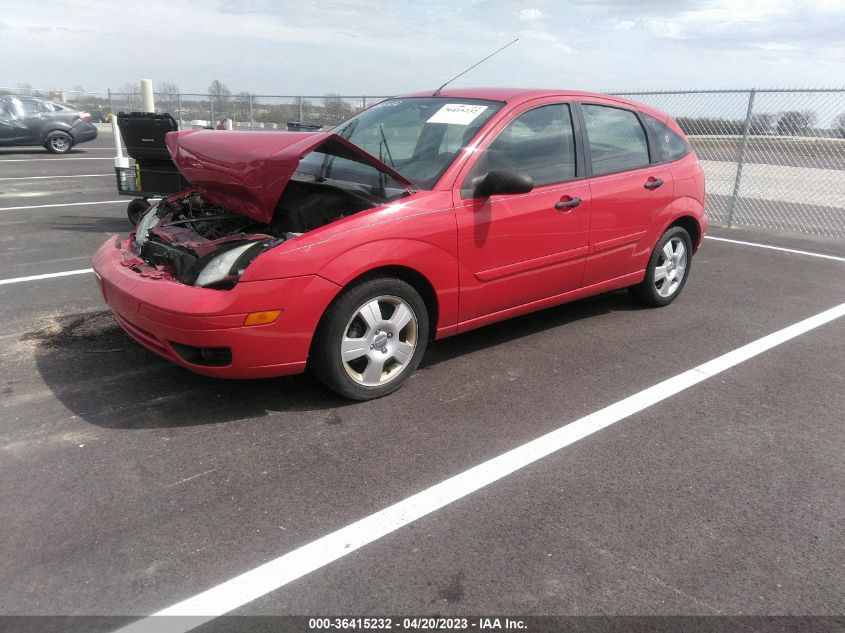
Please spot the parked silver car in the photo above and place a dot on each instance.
(33, 121)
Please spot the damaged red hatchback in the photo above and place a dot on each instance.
(421, 217)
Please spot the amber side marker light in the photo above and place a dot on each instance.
(262, 318)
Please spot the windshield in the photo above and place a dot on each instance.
(419, 136)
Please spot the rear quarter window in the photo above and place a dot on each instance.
(26, 107)
(669, 146)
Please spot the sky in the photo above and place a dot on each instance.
(385, 47)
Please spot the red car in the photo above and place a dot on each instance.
(421, 217)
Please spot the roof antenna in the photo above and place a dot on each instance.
(437, 92)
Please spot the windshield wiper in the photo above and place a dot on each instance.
(386, 147)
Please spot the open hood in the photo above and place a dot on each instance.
(246, 172)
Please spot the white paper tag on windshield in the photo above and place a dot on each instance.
(457, 114)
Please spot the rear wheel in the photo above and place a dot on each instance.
(59, 142)
(371, 339)
(668, 269)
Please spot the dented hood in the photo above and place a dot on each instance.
(246, 172)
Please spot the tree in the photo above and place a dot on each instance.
(165, 97)
(279, 114)
(167, 88)
(218, 89)
(335, 110)
(762, 123)
(795, 122)
(133, 96)
(242, 101)
(219, 96)
(839, 124)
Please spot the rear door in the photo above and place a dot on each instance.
(515, 249)
(12, 130)
(31, 117)
(629, 192)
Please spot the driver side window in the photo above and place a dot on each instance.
(539, 143)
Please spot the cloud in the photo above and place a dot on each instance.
(337, 45)
(528, 15)
(622, 25)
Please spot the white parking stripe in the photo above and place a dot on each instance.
(776, 248)
(64, 204)
(17, 280)
(32, 160)
(52, 177)
(276, 573)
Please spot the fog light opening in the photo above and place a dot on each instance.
(209, 356)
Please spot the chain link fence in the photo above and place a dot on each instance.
(245, 111)
(772, 158)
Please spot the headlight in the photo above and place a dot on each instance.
(225, 266)
(147, 221)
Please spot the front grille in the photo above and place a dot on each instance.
(160, 254)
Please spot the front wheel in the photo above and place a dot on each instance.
(668, 269)
(371, 339)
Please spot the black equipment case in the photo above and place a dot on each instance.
(155, 174)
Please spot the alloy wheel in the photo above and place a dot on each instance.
(60, 143)
(379, 341)
(671, 267)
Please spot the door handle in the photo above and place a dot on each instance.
(571, 203)
(653, 183)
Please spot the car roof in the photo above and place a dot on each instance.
(519, 95)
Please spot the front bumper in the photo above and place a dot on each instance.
(161, 312)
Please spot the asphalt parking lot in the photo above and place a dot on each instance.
(130, 484)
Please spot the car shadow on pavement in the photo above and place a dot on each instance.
(37, 149)
(101, 375)
(519, 327)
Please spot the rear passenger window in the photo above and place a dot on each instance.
(616, 139)
(27, 107)
(539, 143)
(669, 146)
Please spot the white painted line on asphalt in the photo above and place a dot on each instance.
(51, 177)
(17, 280)
(32, 160)
(277, 573)
(64, 204)
(776, 248)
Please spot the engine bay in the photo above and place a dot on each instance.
(185, 232)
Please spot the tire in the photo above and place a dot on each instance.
(662, 283)
(360, 353)
(136, 209)
(58, 142)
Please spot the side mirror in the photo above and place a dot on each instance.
(501, 181)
